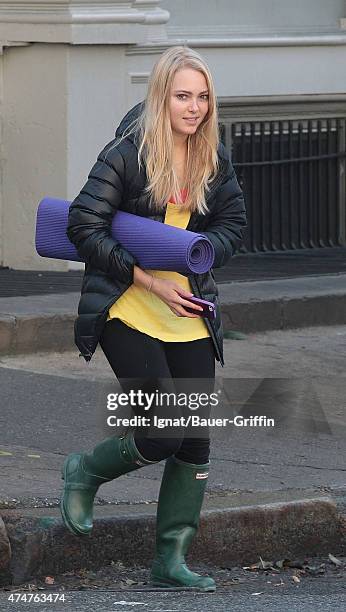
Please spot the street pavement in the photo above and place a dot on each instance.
(272, 491)
(54, 403)
(238, 590)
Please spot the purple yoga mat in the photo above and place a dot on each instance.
(157, 246)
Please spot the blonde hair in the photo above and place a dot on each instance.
(155, 137)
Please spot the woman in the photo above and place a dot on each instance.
(166, 163)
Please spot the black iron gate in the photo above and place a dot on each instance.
(293, 176)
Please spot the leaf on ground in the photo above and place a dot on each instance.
(262, 565)
(334, 560)
(234, 335)
(265, 564)
(49, 580)
(117, 564)
(314, 570)
(282, 562)
(298, 564)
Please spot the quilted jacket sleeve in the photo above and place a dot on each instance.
(228, 217)
(90, 217)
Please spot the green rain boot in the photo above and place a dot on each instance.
(84, 473)
(180, 501)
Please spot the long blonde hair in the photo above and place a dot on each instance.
(155, 137)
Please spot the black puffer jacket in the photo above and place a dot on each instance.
(116, 183)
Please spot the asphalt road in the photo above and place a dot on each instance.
(53, 404)
(238, 590)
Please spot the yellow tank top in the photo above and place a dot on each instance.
(144, 311)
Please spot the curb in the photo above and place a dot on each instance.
(284, 313)
(31, 333)
(41, 545)
(55, 332)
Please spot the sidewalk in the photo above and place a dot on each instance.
(45, 321)
(240, 520)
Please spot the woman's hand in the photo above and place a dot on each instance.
(175, 297)
(168, 291)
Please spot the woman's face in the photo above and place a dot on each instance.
(189, 99)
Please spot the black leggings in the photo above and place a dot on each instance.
(139, 361)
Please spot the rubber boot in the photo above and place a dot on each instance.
(84, 473)
(180, 501)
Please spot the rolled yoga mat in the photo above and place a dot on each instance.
(156, 246)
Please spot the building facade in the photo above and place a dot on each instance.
(70, 70)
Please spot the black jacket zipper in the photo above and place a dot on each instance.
(209, 325)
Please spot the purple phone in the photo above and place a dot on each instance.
(208, 308)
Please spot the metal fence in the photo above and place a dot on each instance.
(292, 173)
